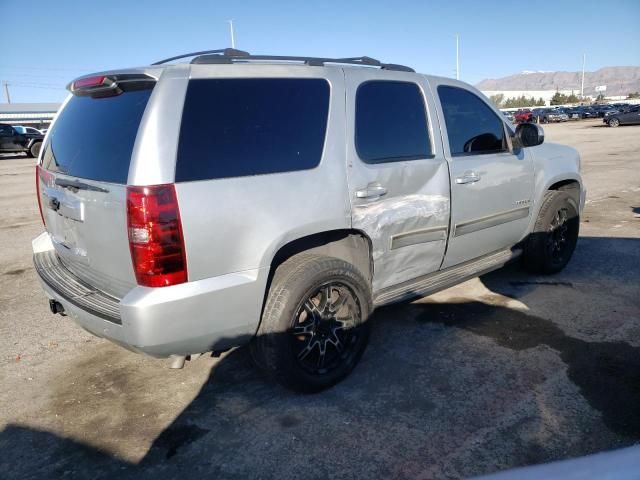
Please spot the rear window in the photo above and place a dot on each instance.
(251, 126)
(93, 137)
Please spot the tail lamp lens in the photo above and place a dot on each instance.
(155, 236)
(46, 178)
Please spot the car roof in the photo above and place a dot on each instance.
(238, 57)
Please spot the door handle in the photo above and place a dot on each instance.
(468, 177)
(373, 190)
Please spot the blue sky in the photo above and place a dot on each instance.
(54, 41)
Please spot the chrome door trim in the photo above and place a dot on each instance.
(490, 221)
(414, 237)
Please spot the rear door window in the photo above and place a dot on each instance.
(93, 138)
(391, 122)
(251, 126)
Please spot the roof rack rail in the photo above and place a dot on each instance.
(230, 55)
(217, 58)
(229, 52)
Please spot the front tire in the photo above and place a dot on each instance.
(550, 246)
(614, 122)
(315, 327)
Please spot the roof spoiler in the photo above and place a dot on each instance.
(109, 85)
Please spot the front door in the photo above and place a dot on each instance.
(491, 184)
(397, 173)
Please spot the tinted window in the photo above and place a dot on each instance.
(93, 137)
(251, 126)
(391, 122)
(472, 126)
(6, 131)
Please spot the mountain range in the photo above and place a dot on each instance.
(618, 80)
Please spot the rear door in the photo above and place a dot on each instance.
(397, 173)
(491, 185)
(82, 184)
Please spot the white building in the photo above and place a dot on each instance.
(37, 115)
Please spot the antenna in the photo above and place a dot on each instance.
(457, 56)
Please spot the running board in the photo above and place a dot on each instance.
(434, 282)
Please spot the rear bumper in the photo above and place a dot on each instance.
(194, 317)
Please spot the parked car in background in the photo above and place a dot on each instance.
(611, 111)
(12, 140)
(523, 115)
(573, 113)
(586, 112)
(27, 130)
(236, 220)
(551, 115)
(622, 107)
(509, 116)
(602, 109)
(630, 117)
(537, 114)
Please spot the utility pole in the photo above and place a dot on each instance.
(233, 41)
(584, 60)
(6, 92)
(457, 57)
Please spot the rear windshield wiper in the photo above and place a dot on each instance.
(78, 185)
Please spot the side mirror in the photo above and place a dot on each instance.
(529, 135)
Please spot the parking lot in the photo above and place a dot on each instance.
(502, 371)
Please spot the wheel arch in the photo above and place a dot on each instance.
(33, 141)
(350, 245)
(569, 185)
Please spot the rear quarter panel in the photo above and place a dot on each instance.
(237, 224)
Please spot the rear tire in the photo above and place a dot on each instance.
(315, 327)
(34, 151)
(550, 246)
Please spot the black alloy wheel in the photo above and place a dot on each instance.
(325, 328)
(558, 238)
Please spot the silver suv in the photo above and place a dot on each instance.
(276, 201)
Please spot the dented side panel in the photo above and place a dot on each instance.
(408, 225)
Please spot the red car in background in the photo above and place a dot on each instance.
(524, 115)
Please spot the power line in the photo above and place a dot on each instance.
(33, 67)
(36, 85)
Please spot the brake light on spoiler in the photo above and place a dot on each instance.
(99, 86)
(155, 236)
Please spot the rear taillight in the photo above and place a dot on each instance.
(45, 177)
(155, 236)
